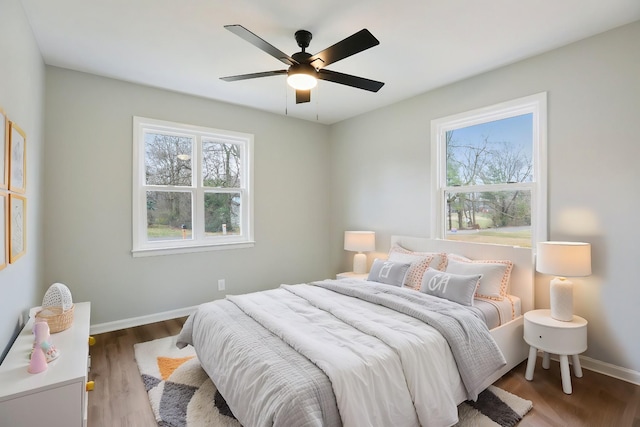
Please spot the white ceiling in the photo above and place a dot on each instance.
(181, 45)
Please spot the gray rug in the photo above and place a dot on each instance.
(182, 395)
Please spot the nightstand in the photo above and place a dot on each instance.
(542, 332)
(352, 275)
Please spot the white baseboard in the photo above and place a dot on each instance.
(142, 320)
(614, 371)
(624, 374)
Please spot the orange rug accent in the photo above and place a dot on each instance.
(169, 364)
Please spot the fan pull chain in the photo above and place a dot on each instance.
(286, 98)
(317, 95)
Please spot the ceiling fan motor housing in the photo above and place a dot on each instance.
(303, 38)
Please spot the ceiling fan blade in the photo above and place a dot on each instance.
(303, 96)
(362, 40)
(241, 31)
(349, 80)
(253, 75)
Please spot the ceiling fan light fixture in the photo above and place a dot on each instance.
(302, 81)
(301, 77)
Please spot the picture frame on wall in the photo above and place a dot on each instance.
(17, 159)
(4, 228)
(17, 227)
(4, 150)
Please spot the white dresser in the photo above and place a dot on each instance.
(56, 397)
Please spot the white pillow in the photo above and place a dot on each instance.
(388, 272)
(495, 274)
(419, 261)
(454, 287)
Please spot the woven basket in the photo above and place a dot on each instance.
(57, 318)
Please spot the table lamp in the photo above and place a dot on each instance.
(562, 259)
(359, 241)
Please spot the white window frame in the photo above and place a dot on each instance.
(534, 104)
(200, 242)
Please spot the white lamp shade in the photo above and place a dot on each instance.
(566, 259)
(359, 241)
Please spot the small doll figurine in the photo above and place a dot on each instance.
(50, 350)
(43, 341)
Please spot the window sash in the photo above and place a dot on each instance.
(200, 241)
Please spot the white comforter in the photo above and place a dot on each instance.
(386, 368)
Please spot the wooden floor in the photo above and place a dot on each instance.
(119, 398)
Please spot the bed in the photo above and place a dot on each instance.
(353, 353)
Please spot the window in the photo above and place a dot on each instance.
(192, 188)
(489, 174)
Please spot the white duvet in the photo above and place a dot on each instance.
(386, 368)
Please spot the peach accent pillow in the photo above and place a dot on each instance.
(495, 274)
(419, 261)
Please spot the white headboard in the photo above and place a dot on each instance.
(521, 284)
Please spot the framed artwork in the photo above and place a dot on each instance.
(4, 228)
(17, 159)
(4, 150)
(17, 227)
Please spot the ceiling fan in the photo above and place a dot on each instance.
(305, 69)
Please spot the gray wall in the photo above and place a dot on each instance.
(381, 171)
(88, 177)
(22, 98)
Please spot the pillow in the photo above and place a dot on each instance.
(454, 287)
(388, 272)
(495, 274)
(419, 262)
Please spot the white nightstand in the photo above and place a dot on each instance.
(542, 332)
(352, 275)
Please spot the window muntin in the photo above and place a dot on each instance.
(489, 174)
(175, 212)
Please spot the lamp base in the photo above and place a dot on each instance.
(561, 296)
(360, 263)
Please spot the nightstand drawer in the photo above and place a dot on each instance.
(556, 341)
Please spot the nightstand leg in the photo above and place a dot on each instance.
(531, 363)
(566, 375)
(545, 360)
(577, 369)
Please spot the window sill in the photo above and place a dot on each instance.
(145, 252)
